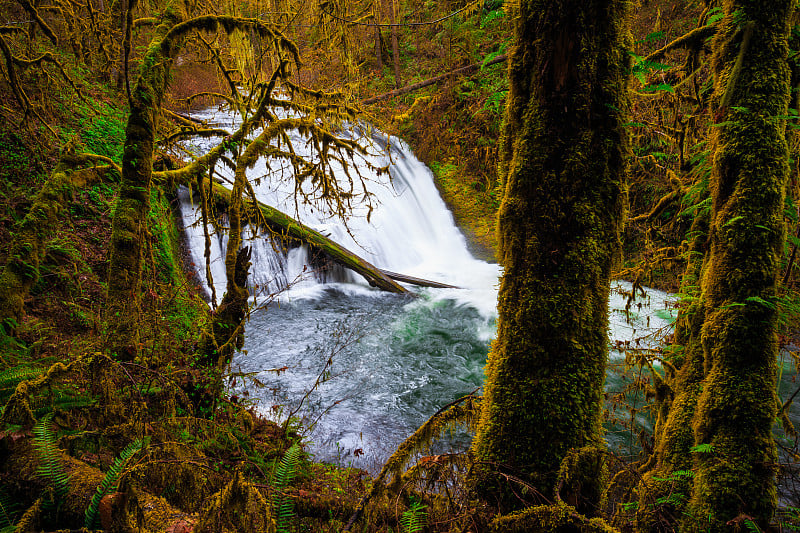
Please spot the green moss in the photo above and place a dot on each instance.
(237, 507)
(558, 227)
(31, 235)
(555, 518)
(737, 406)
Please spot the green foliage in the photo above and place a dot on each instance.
(414, 519)
(702, 448)
(8, 511)
(50, 468)
(641, 68)
(102, 129)
(9, 345)
(492, 18)
(110, 481)
(789, 518)
(11, 377)
(715, 15)
(285, 471)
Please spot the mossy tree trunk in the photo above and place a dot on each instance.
(130, 215)
(563, 169)
(129, 228)
(735, 478)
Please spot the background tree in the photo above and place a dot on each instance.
(736, 452)
(562, 165)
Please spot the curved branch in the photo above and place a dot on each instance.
(42, 24)
(689, 40)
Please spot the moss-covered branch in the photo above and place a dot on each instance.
(130, 215)
(692, 39)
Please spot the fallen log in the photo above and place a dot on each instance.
(417, 281)
(282, 224)
(430, 81)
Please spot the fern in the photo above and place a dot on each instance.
(109, 483)
(11, 377)
(414, 519)
(8, 511)
(285, 471)
(50, 468)
(61, 400)
(751, 526)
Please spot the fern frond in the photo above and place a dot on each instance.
(50, 467)
(60, 400)
(285, 471)
(10, 377)
(8, 510)
(414, 519)
(109, 483)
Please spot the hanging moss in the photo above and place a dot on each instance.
(237, 507)
(737, 406)
(563, 169)
(129, 227)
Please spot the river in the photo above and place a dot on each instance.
(362, 367)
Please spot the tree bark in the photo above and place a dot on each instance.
(130, 214)
(562, 166)
(378, 39)
(735, 461)
(398, 82)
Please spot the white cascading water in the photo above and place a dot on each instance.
(410, 231)
(411, 355)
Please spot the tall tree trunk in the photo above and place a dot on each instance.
(735, 477)
(378, 40)
(398, 82)
(128, 229)
(562, 165)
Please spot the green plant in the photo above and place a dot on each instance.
(8, 512)
(789, 518)
(9, 345)
(285, 471)
(413, 519)
(110, 481)
(50, 468)
(11, 377)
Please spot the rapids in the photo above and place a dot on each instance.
(382, 363)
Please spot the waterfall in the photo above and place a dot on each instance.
(410, 230)
(389, 361)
